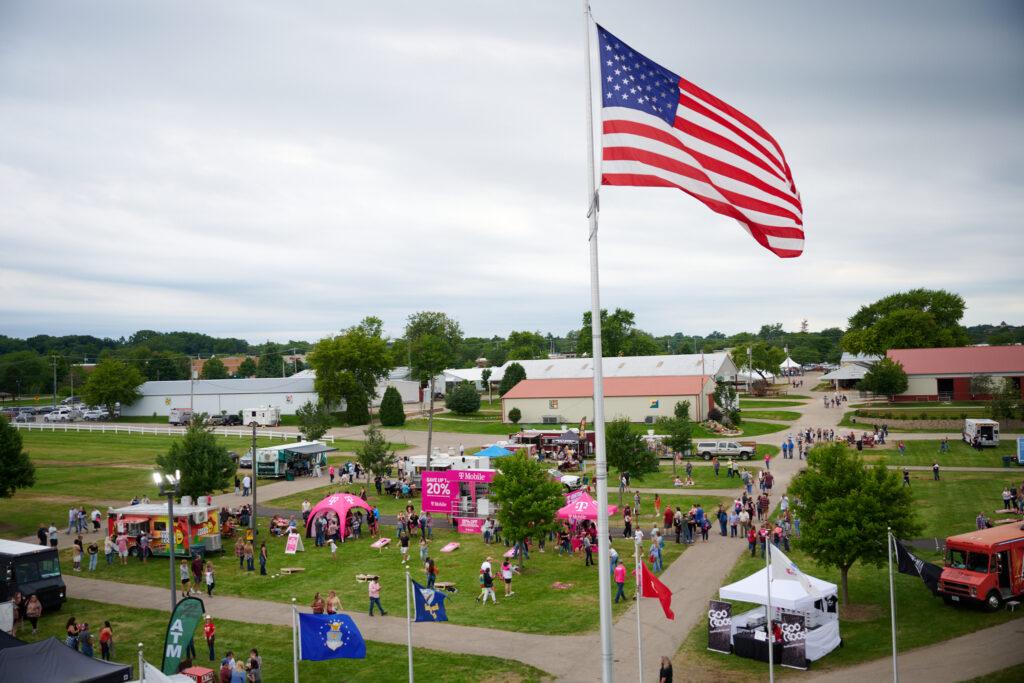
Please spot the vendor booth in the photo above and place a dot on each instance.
(337, 507)
(494, 451)
(804, 607)
(580, 505)
(291, 460)
(52, 660)
(196, 527)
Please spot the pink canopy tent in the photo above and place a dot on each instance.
(583, 507)
(340, 503)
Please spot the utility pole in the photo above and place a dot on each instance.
(54, 359)
(255, 476)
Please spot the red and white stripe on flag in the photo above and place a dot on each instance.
(660, 130)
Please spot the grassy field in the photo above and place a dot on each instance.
(1014, 674)
(96, 469)
(851, 421)
(769, 403)
(703, 476)
(927, 452)
(946, 507)
(537, 607)
(787, 415)
(383, 661)
(389, 505)
(752, 428)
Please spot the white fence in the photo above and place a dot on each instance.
(152, 429)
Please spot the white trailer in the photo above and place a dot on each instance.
(180, 416)
(986, 431)
(262, 417)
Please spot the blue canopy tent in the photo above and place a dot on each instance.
(494, 452)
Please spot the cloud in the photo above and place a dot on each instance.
(280, 171)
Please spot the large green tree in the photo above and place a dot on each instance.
(352, 363)
(392, 410)
(314, 420)
(627, 451)
(247, 368)
(16, 469)
(463, 399)
(113, 381)
(270, 365)
(205, 465)
(764, 358)
(619, 336)
(24, 372)
(525, 346)
(214, 369)
(434, 341)
(728, 402)
(885, 378)
(918, 319)
(375, 454)
(514, 374)
(527, 498)
(844, 508)
(677, 430)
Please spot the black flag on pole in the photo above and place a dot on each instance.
(909, 563)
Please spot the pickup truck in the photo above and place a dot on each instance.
(743, 450)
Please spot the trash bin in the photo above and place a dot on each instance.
(289, 476)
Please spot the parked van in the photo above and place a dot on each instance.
(180, 416)
(986, 431)
(984, 566)
(33, 570)
(263, 417)
(724, 449)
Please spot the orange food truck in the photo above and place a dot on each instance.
(196, 528)
(984, 566)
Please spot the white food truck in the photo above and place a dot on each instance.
(986, 431)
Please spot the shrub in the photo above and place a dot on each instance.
(357, 411)
(515, 416)
(463, 399)
(514, 374)
(715, 414)
(392, 412)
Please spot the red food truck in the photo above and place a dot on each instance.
(984, 566)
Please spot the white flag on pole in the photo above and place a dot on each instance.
(784, 569)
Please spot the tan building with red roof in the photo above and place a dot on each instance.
(641, 399)
(946, 374)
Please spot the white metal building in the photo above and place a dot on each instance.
(215, 396)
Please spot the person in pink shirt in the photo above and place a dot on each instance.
(374, 590)
(619, 574)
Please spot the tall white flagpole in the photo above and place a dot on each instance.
(892, 604)
(600, 459)
(408, 623)
(295, 638)
(768, 627)
(639, 595)
(142, 666)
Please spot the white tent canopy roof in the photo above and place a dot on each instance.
(786, 594)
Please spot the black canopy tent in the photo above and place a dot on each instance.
(51, 661)
(7, 640)
(569, 438)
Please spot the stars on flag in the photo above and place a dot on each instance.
(632, 80)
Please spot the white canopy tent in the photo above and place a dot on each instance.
(154, 675)
(818, 606)
(847, 372)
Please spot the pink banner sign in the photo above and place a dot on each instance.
(292, 545)
(441, 489)
(470, 525)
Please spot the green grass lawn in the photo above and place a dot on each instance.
(927, 452)
(788, 415)
(703, 476)
(852, 422)
(752, 428)
(864, 625)
(383, 661)
(769, 403)
(1013, 674)
(537, 607)
(950, 505)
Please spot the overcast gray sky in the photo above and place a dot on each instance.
(279, 170)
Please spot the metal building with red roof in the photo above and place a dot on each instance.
(945, 374)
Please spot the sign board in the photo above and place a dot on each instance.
(180, 629)
(441, 489)
(1020, 450)
(720, 626)
(293, 544)
(794, 641)
(248, 534)
(470, 525)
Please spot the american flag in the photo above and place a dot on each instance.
(660, 130)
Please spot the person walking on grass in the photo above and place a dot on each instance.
(106, 641)
(374, 591)
(33, 610)
(619, 574)
(333, 604)
(211, 580)
(403, 542)
(85, 640)
(248, 552)
(430, 568)
(588, 549)
(210, 633)
(263, 558)
(94, 555)
(487, 587)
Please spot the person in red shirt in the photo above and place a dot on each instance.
(209, 630)
(667, 520)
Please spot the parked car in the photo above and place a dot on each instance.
(25, 416)
(223, 420)
(95, 414)
(63, 414)
(726, 449)
(232, 421)
(10, 413)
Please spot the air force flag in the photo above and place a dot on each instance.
(429, 603)
(329, 636)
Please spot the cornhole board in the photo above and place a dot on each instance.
(381, 543)
(450, 547)
(510, 553)
(292, 570)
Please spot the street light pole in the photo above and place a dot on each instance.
(255, 476)
(170, 489)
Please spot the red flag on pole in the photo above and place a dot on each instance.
(651, 587)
